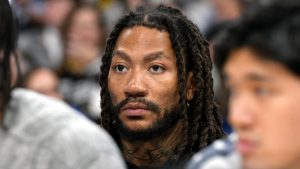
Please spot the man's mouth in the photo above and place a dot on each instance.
(134, 109)
(246, 146)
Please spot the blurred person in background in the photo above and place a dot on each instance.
(28, 12)
(84, 37)
(114, 9)
(41, 132)
(259, 56)
(132, 4)
(44, 81)
(157, 98)
(41, 45)
(208, 14)
(227, 10)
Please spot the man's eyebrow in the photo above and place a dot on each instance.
(252, 77)
(155, 55)
(258, 77)
(147, 58)
(121, 54)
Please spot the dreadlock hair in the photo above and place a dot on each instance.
(7, 46)
(202, 122)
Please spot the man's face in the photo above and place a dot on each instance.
(143, 72)
(264, 110)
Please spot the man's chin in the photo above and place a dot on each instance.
(137, 126)
(137, 131)
(143, 131)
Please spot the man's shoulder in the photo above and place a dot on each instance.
(42, 125)
(220, 154)
(26, 100)
(33, 115)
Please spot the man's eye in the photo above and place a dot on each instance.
(120, 68)
(262, 91)
(156, 69)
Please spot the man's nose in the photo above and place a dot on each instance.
(241, 114)
(136, 85)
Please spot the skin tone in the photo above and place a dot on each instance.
(227, 10)
(56, 11)
(144, 65)
(44, 81)
(132, 4)
(264, 110)
(83, 38)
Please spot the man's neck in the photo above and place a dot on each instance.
(155, 152)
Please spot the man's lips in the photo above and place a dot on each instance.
(246, 146)
(134, 109)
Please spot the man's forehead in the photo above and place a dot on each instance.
(143, 32)
(143, 41)
(246, 65)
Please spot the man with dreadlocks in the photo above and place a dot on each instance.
(157, 97)
(40, 132)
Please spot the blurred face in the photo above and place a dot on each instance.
(227, 10)
(264, 110)
(84, 28)
(56, 11)
(44, 81)
(142, 80)
(132, 4)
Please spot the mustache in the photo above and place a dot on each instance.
(149, 105)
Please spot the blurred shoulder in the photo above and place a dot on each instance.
(64, 137)
(221, 154)
(38, 114)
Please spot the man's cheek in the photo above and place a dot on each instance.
(113, 98)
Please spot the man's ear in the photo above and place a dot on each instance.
(190, 87)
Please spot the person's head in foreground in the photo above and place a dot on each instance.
(259, 56)
(156, 88)
(44, 81)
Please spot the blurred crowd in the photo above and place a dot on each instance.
(61, 42)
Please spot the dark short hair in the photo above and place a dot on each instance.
(272, 31)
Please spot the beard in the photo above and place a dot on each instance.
(157, 129)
